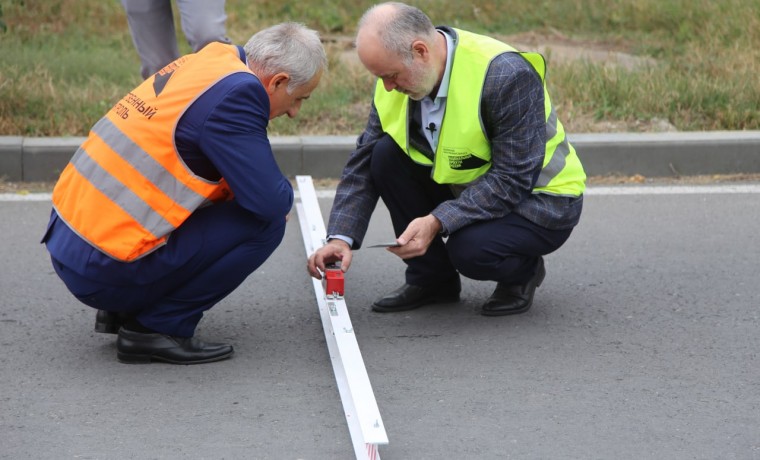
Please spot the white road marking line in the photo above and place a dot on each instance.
(673, 189)
(591, 191)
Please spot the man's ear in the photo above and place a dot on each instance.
(420, 48)
(279, 80)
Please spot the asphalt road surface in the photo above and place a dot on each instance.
(642, 343)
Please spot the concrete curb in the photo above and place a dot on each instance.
(649, 154)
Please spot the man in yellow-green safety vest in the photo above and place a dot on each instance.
(465, 149)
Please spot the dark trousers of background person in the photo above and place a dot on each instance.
(168, 290)
(503, 250)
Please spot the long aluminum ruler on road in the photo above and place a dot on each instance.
(364, 422)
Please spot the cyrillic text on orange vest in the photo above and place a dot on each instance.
(126, 188)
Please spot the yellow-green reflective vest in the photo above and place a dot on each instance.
(464, 152)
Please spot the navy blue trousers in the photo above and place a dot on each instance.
(204, 260)
(503, 250)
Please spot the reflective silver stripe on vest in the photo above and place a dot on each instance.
(119, 194)
(147, 166)
(132, 204)
(559, 158)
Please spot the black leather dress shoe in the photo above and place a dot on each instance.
(107, 322)
(409, 297)
(139, 348)
(514, 299)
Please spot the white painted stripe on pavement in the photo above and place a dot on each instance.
(25, 196)
(591, 191)
(673, 189)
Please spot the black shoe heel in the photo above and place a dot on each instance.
(107, 322)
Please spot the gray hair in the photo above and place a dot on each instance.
(289, 47)
(399, 26)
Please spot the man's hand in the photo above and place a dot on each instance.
(417, 237)
(335, 250)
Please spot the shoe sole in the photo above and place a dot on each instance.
(514, 311)
(437, 300)
(133, 358)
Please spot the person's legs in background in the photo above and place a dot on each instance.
(152, 26)
(203, 22)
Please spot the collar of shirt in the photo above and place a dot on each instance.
(433, 109)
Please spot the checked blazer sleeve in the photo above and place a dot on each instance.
(356, 196)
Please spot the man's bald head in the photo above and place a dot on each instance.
(395, 26)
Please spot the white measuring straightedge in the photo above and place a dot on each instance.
(362, 415)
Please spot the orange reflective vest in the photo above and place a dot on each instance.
(126, 188)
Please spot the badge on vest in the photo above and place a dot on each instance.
(461, 159)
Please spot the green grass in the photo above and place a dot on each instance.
(63, 63)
